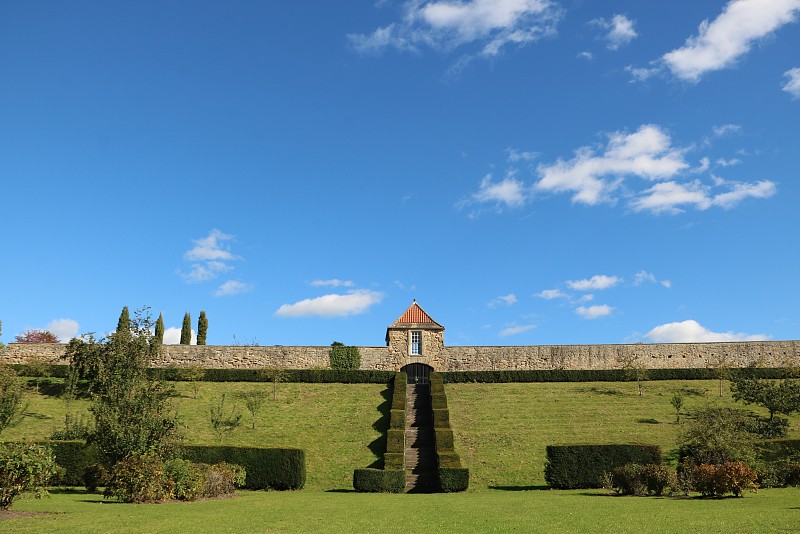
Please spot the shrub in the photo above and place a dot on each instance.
(12, 405)
(73, 457)
(452, 479)
(596, 375)
(75, 427)
(778, 474)
(777, 427)
(310, 376)
(344, 357)
(221, 479)
(397, 419)
(439, 401)
(444, 439)
(717, 480)
(582, 466)
(379, 480)
(187, 479)
(449, 459)
(394, 460)
(441, 418)
(266, 468)
(24, 467)
(648, 479)
(94, 476)
(139, 479)
(395, 440)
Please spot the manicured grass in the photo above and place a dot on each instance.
(775, 510)
(334, 423)
(501, 430)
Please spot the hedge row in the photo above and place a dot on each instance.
(582, 466)
(267, 468)
(379, 480)
(598, 375)
(452, 476)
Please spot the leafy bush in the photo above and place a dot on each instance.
(73, 457)
(308, 376)
(441, 418)
(94, 476)
(24, 467)
(597, 375)
(395, 440)
(448, 459)
(187, 479)
(778, 474)
(139, 479)
(344, 357)
(452, 479)
(379, 480)
(582, 466)
(12, 405)
(648, 479)
(777, 427)
(394, 460)
(221, 479)
(444, 439)
(397, 419)
(717, 480)
(75, 427)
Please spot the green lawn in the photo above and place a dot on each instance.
(501, 434)
(488, 511)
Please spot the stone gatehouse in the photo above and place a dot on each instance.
(415, 338)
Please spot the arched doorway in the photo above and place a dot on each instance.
(418, 373)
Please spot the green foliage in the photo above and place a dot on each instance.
(399, 391)
(202, 328)
(639, 480)
(94, 476)
(38, 366)
(186, 330)
(596, 375)
(379, 480)
(12, 398)
(224, 422)
(582, 466)
(186, 477)
(24, 467)
(2, 346)
(253, 400)
(72, 457)
(441, 418)
(444, 439)
(159, 333)
(131, 411)
(677, 403)
(124, 322)
(635, 369)
(75, 427)
(394, 460)
(266, 468)
(776, 396)
(453, 479)
(397, 419)
(395, 440)
(139, 479)
(715, 435)
(344, 357)
(307, 376)
(712, 480)
(85, 357)
(274, 375)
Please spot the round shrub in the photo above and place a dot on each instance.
(94, 475)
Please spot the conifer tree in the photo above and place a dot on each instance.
(186, 330)
(124, 323)
(159, 336)
(202, 328)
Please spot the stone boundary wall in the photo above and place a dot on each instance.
(653, 356)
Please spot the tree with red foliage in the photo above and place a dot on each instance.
(37, 336)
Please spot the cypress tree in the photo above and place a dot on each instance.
(159, 337)
(186, 330)
(124, 323)
(202, 328)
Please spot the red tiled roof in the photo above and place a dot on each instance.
(415, 314)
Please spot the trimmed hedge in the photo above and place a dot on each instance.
(441, 418)
(267, 468)
(379, 480)
(582, 466)
(309, 376)
(399, 393)
(448, 459)
(598, 375)
(394, 460)
(452, 479)
(444, 439)
(397, 419)
(395, 440)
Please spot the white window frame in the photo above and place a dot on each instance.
(415, 348)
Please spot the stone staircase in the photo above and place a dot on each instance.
(420, 449)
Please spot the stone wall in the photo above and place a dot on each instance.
(654, 356)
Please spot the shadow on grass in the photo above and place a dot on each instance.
(341, 490)
(49, 388)
(378, 446)
(649, 421)
(520, 488)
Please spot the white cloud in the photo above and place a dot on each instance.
(515, 155)
(333, 282)
(691, 331)
(509, 191)
(644, 276)
(333, 305)
(211, 247)
(647, 153)
(596, 282)
(722, 162)
(550, 294)
(518, 329)
(202, 272)
(172, 336)
(585, 55)
(487, 25)
(508, 300)
(620, 31)
(594, 312)
(793, 85)
(705, 163)
(719, 43)
(669, 197)
(232, 287)
(726, 129)
(64, 329)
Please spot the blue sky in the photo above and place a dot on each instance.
(531, 171)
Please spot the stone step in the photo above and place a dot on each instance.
(419, 483)
(419, 437)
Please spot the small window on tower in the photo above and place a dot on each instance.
(416, 342)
